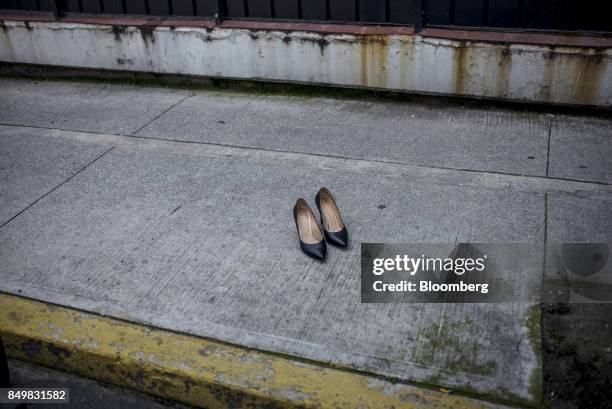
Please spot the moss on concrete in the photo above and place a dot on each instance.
(533, 323)
(224, 377)
(459, 357)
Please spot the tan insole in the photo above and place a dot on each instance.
(331, 217)
(308, 227)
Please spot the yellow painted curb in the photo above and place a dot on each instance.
(193, 370)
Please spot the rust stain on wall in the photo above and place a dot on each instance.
(577, 77)
(363, 64)
(562, 74)
(406, 63)
(459, 59)
(373, 61)
(5, 40)
(382, 52)
(504, 68)
(590, 69)
(548, 76)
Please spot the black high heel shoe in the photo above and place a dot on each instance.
(333, 226)
(311, 239)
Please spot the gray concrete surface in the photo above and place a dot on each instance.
(30, 167)
(576, 220)
(207, 246)
(494, 141)
(581, 148)
(84, 393)
(120, 109)
(199, 238)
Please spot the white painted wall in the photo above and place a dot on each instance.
(563, 75)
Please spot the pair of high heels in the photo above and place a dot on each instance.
(312, 241)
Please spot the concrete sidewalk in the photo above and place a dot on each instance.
(172, 208)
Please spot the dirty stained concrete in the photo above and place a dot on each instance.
(399, 62)
(196, 371)
(165, 227)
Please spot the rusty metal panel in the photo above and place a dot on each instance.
(404, 11)
(286, 9)
(182, 7)
(72, 5)
(91, 6)
(584, 15)
(503, 13)
(260, 8)
(469, 12)
(29, 5)
(372, 11)
(437, 12)
(596, 16)
(136, 6)
(342, 10)
(47, 5)
(113, 6)
(9, 4)
(538, 14)
(567, 14)
(314, 9)
(156, 7)
(237, 8)
(207, 8)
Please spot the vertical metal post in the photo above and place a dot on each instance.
(221, 11)
(59, 9)
(420, 18)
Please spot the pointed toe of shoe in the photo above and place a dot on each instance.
(338, 238)
(318, 250)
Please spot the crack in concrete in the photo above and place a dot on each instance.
(419, 173)
(57, 187)
(162, 114)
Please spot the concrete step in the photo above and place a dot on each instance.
(194, 370)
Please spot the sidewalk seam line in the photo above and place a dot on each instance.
(545, 236)
(548, 147)
(57, 187)
(544, 268)
(373, 160)
(161, 114)
(489, 172)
